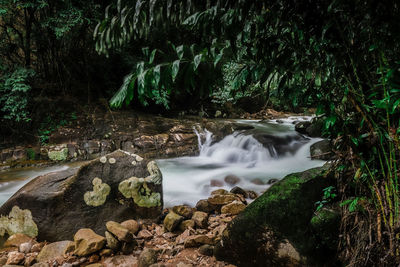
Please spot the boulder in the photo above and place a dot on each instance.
(118, 186)
(86, 242)
(275, 229)
(321, 150)
(316, 127)
(119, 231)
(200, 219)
(302, 126)
(54, 250)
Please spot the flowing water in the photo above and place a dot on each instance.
(188, 179)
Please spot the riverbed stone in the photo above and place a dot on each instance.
(222, 199)
(205, 206)
(231, 179)
(281, 216)
(15, 258)
(86, 242)
(54, 250)
(233, 208)
(53, 206)
(147, 257)
(119, 231)
(112, 242)
(121, 261)
(17, 239)
(200, 219)
(183, 210)
(198, 240)
(321, 150)
(172, 220)
(186, 225)
(131, 225)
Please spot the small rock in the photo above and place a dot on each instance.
(25, 247)
(239, 191)
(87, 242)
(203, 205)
(144, 234)
(41, 264)
(183, 264)
(66, 264)
(119, 231)
(232, 179)
(15, 258)
(219, 192)
(206, 250)
(16, 240)
(183, 210)
(186, 225)
(94, 258)
(216, 183)
(95, 265)
(200, 219)
(54, 250)
(252, 194)
(171, 221)
(233, 208)
(3, 260)
(221, 199)
(112, 242)
(30, 259)
(198, 240)
(147, 257)
(182, 237)
(257, 181)
(131, 225)
(272, 181)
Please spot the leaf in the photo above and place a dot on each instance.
(152, 55)
(157, 75)
(175, 69)
(197, 60)
(180, 51)
(330, 121)
(119, 97)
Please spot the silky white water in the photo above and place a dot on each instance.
(189, 179)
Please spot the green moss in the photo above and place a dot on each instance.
(31, 154)
(98, 196)
(137, 189)
(58, 155)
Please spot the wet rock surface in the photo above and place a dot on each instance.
(63, 202)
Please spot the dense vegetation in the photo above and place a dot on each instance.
(339, 56)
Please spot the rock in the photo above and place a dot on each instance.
(30, 259)
(119, 231)
(326, 224)
(106, 252)
(15, 258)
(183, 210)
(281, 145)
(200, 219)
(206, 250)
(316, 127)
(272, 181)
(238, 190)
(3, 260)
(25, 247)
(54, 250)
(321, 150)
(187, 224)
(233, 208)
(252, 194)
(267, 216)
(87, 242)
(95, 265)
(184, 264)
(41, 264)
(221, 199)
(66, 201)
(147, 257)
(37, 247)
(257, 181)
(131, 225)
(17, 239)
(121, 261)
(219, 192)
(301, 127)
(203, 205)
(112, 242)
(216, 183)
(231, 179)
(198, 240)
(171, 221)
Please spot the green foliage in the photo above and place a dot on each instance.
(14, 95)
(31, 154)
(51, 123)
(329, 195)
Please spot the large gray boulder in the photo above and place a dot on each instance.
(117, 186)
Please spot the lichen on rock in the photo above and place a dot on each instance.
(56, 155)
(98, 196)
(18, 221)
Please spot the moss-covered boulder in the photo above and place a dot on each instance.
(276, 230)
(118, 186)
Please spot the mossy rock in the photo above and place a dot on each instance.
(58, 155)
(281, 215)
(325, 224)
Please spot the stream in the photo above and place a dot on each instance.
(189, 179)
